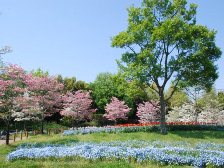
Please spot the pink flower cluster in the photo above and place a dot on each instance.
(116, 110)
(78, 105)
(148, 112)
(27, 92)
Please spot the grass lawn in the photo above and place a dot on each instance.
(192, 137)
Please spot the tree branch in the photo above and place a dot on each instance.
(132, 50)
(154, 89)
(174, 89)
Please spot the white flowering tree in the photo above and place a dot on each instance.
(185, 113)
(27, 109)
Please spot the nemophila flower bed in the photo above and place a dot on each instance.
(169, 153)
(128, 129)
(111, 129)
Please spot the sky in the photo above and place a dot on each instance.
(73, 37)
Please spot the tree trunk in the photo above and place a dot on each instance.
(24, 125)
(77, 123)
(73, 124)
(42, 127)
(163, 129)
(7, 133)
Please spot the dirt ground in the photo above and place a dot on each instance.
(10, 141)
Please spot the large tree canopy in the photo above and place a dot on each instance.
(164, 43)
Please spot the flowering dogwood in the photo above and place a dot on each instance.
(77, 106)
(148, 112)
(28, 108)
(46, 91)
(185, 113)
(116, 109)
(12, 84)
(189, 113)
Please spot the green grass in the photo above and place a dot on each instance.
(192, 137)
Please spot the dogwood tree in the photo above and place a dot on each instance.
(148, 112)
(184, 113)
(12, 85)
(46, 91)
(116, 109)
(77, 106)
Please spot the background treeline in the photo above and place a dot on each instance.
(132, 92)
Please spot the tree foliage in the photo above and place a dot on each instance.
(40, 73)
(71, 84)
(109, 85)
(164, 43)
(178, 99)
(12, 82)
(103, 89)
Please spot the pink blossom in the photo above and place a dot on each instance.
(116, 110)
(148, 112)
(78, 105)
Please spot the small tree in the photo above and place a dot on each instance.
(148, 112)
(12, 85)
(46, 91)
(184, 113)
(116, 109)
(77, 106)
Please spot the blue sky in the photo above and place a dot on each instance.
(73, 37)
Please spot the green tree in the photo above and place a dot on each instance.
(221, 99)
(40, 73)
(178, 99)
(108, 85)
(133, 89)
(208, 99)
(164, 43)
(103, 88)
(71, 84)
(132, 92)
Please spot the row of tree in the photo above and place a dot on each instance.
(36, 95)
(164, 46)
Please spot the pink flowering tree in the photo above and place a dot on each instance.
(148, 112)
(77, 106)
(46, 91)
(116, 109)
(12, 84)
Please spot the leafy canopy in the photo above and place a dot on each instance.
(163, 42)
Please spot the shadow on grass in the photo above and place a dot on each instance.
(200, 134)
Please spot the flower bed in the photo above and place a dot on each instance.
(137, 128)
(110, 129)
(169, 153)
